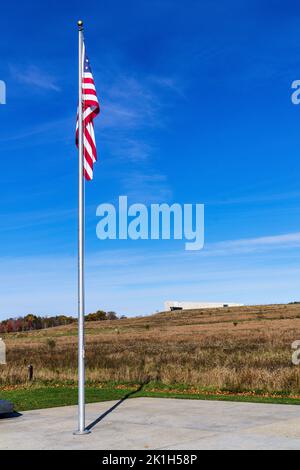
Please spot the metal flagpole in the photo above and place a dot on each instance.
(81, 371)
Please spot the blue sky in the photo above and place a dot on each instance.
(196, 107)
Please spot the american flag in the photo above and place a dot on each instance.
(90, 109)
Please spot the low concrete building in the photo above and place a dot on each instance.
(175, 305)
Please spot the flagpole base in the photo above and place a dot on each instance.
(81, 433)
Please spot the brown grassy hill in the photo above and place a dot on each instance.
(238, 348)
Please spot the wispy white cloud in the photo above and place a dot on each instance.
(130, 103)
(55, 129)
(136, 101)
(130, 107)
(250, 245)
(180, 257)
(13, 221)
(130, 149)
(34, 77)
(171, 84)
(262, 197)
(138, 281)
(147, 187)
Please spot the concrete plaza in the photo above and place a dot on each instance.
(157, 423)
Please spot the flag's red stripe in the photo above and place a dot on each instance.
(90, 91)
(88, 158)
(87, 176)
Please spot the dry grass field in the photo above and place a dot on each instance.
(231, 349)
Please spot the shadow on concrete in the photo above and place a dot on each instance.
(14, 414)
(101, 417)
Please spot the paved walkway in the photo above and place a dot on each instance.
(157, 423)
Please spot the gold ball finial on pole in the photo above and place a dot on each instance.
(80, 24)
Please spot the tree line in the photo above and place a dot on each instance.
(34, 322)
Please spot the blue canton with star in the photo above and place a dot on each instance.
(87, 67)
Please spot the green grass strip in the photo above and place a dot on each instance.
(48, 397)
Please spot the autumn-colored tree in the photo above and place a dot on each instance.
(112, 316)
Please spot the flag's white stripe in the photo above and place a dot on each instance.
(88, 75)
(90, 131)
(91, 98)
(88, 86)
(87, 112)
(88, 169)
(88, 149)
